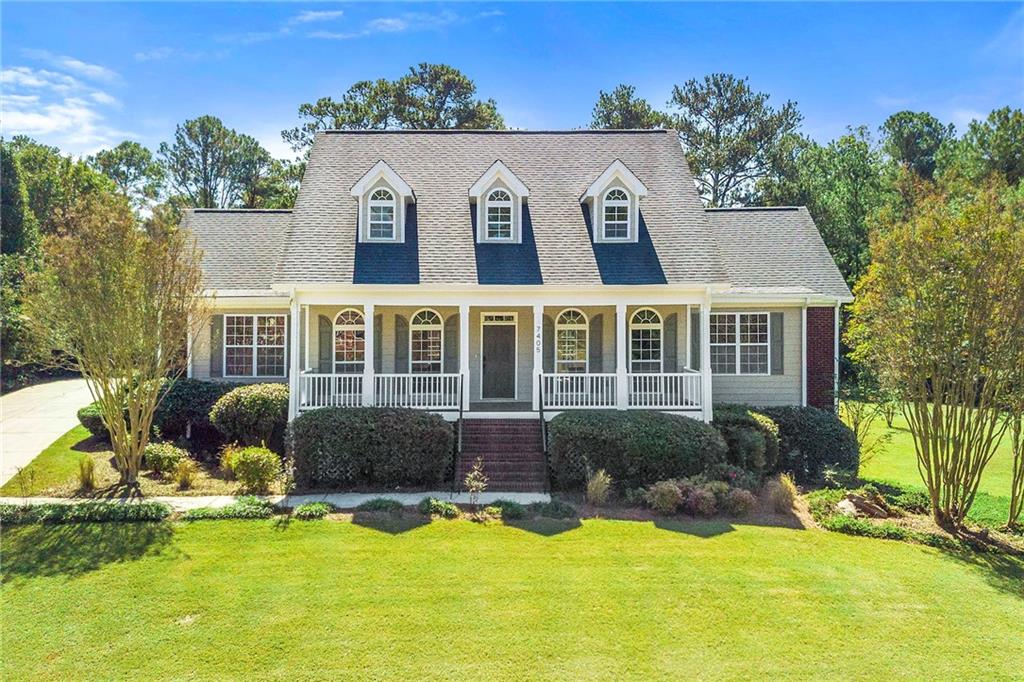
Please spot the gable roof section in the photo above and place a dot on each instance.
(498, 170)
(619, 170)
(441, 166)
(382, 170)
(240, 246)
(775, 250)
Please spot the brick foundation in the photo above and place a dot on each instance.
(821, 357)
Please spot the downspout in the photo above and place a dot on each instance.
(803, 354)
(835, 366)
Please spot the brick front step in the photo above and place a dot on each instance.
(511, 450)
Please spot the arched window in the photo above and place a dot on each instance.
(382, 214)
(616, 214)
(426, 342)
(645, 334)
(349, 342)
(571, 342)
(499, 215)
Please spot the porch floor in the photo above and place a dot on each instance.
(500, 406)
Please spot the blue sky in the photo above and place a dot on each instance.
(85, 76)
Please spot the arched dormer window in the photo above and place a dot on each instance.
(645, 341)
(616, 214)
(426, 342)
(349, 342)
(571, 342)
(382, 214)
(499, 215)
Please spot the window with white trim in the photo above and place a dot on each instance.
(382, 215)
(645, 335)
(254, 346)
(499, 215)
(349, 342)
(426, 342)
(740, 343)
(616, 214)
(571, 342)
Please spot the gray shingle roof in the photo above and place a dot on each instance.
(775, 251)
(558, 167)
(240, 247)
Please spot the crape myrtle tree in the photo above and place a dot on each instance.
(120, 302)
(938, 318)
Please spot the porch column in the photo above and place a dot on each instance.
(538, 353)
(293, 360)
(368, 345)
(705, 358)
(464, 353)
(621, 368)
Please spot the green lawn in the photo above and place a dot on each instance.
(53, 466)
(454, 599)
(897, 463)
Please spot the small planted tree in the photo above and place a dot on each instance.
(938, 318)
(1017, 478)
(119, 305)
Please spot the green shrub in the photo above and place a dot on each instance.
(340, 447)
(245, 507)
(185, 472)
(86, 473)
(599, 484)
(161, 458)
(636, 448)
(187, 401)
(381, 504)
(634, 497)
(752, 437)
(84, 512)
(911, 501)
(256, 414)
(782, 493)
(555, 509)
(312, 510)
(736, 477)
(431, 506)
(738, 502)
(510, 511)
(664, 497)
(812, 439)
(700, 502)
(91, 417)
(256, 468)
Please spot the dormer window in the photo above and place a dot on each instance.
(616, 215)
(614, 202)
(499, 215)
(382, 215)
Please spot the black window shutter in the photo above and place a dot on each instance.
(777, 344)
(548, 347)
(216, 346)
(451, 344)
(596, 352)
(378, 343)
(401, 345)
(325, 336)
(670, 350)
(695, 340)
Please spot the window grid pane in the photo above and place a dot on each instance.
(349, 346)
(499, 222)
(270, 362)
(571, 350)
(426, 351)
(238, 361)
(723, 359)
(645, 350)
(382, 222)
(616, 222)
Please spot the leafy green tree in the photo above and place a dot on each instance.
(621, 109)
(133, 169)
(730, 133)
(913, 138)
(19, 240)
(429, 96)
(993, 146)
(19, 230)
(200, 163)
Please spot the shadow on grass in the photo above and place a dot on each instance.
(91, 444)
(40, 550)
(701, 529)
(386, 522)
(545, 526)
(1004, 572)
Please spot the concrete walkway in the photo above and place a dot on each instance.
(340, 500)
(32, 418)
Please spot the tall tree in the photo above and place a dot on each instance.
(19, 230)
(133, 169)
(622, 109)
(19, 241)
(200, 162)
(913, 138)
(429, 96)
(119, 302)
(994, 146)
(730, 134)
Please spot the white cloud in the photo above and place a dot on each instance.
(104, 98)
(154, 55)
(490, 13)
(26, 77)
(1008, 43)
(962, 117)
(387, 25)
(311, 16)
(891, 102)
(75, 66)
(409, 21)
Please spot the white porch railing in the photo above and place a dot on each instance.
(678, 390)
(578, 391)
(423, 391)
(330, 390)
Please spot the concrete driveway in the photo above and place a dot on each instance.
(32, 418)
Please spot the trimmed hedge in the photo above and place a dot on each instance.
(635, 448)
(190, 400)
(752, 437)
(337, 447)
(91, 417)
(256, 414)
(811, 440)
(161, 458)
(245, 507)
(84, 512)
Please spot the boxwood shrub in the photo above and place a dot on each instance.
(91, 417)
(635, 448)
(255, 414)
(190, 400)
(752, 437)
(337, 447)
(84, 512)
(810, 440)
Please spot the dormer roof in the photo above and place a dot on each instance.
(498, 171)
(615, 170)
(382, 170)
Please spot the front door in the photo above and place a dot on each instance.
(499, 361)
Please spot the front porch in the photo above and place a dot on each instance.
(493, 359)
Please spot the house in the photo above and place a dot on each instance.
(505, 274)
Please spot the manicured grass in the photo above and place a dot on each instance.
(54, 466)
(453, 599)
(897, 463)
